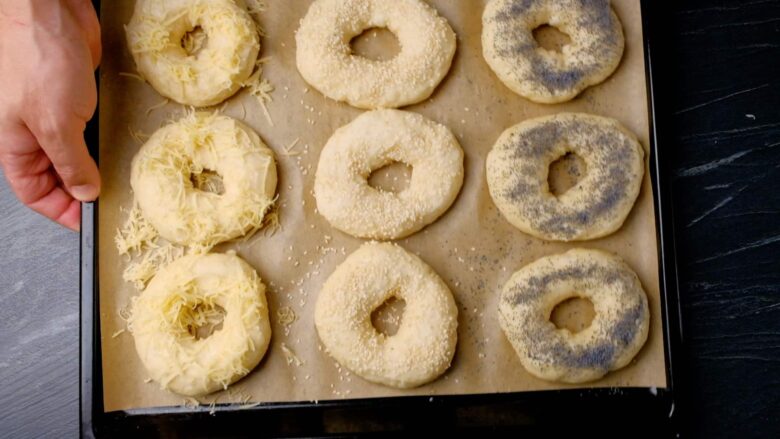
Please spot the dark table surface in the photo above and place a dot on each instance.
(722, 140)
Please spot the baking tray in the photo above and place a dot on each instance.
(655, 411)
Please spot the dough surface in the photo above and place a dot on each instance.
(424, 345)
(519, 163)
(372, 141)
(164, 169)
(614, 337)
(158, 33)
(177, 299)
(325, 58)
(547, 76)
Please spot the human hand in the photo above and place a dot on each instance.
(48, 53)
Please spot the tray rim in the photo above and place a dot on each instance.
(660, 404)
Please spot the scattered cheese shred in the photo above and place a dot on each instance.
(136, 234)
(260, 88)
(132, 75)
(290, 356)
(124, 314)
(156, 107)
(190, 402)
(286, 316)
(138, 136)
(255, 9)
(289, 148)
(241, 397)
(272, 221)
(140, 271)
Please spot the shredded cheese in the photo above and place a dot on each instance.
(166, 318)
(136, 234)
(167, 162)
(138, 136)
(186, 66)
(156, 106)
(141, 270)
(132, 75)
(290, 356)
(286, 316)
(260, 88)
(255, 9)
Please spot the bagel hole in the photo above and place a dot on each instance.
(574, 314)
(551, 38)
(194, 41)
(564, 173)
(387, 318)
(394, 177)
(204, 320)
(376, 43)
(208, 181)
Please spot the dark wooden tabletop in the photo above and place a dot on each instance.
(723, 141)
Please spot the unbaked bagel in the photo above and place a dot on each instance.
(207, 77)
(162, 172)
(165, 314)
(519, 163)
(372, 141)
(424, 345)
(325, 59)
(542, 75)
(616, 334)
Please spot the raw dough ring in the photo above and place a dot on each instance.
(372, 141)
(542, 75)
(616, 334)
(207, 77)
(162, 171)
(163, 313)
(518, 166)
(325, 59)
(424, 345)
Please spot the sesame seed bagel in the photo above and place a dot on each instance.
(424, 345)
(519, 163)
(157, 35)
(614, 337)
(547, 76)
(372, 141)
(325, 59)
(185, 295)
(162, 180)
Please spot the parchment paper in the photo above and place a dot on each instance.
(472, 247)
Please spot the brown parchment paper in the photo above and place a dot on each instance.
(472, 247)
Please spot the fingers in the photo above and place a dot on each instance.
(55, 204)
(57, 116)
(32, 179)
(61, 138)
(87, 19)
(51, 95)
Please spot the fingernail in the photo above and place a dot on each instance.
(85, 192)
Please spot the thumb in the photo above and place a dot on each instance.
(62, 139)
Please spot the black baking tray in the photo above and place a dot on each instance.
(649, 412)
